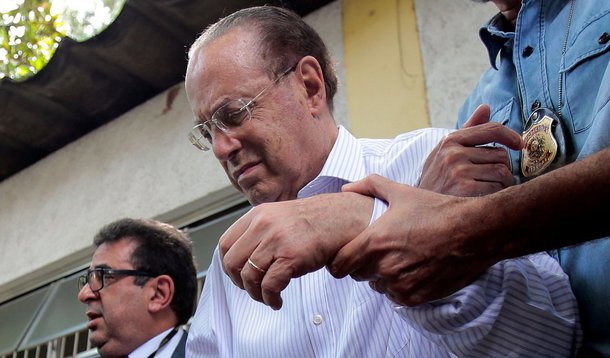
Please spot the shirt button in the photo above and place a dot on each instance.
(317, 319)
(535, 105)
(527, 51)
(604, 38)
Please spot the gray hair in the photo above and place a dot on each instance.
(284, 38)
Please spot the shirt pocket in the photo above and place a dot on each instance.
(502, 112)
(508, 114)
(585, 71)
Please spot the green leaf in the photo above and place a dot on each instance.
(29, 51)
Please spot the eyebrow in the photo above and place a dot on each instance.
(102, 266)
(222, 103)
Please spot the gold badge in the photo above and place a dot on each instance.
(540, 147)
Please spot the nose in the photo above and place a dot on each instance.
(85, 294)
(225, 144)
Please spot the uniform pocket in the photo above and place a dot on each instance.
(585, 70)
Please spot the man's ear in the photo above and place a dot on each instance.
(311, 73)
(162, 293)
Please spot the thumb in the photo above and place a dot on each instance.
(374, 185)
(350, 257)
(479, 116)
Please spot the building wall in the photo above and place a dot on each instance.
(142, 165)
(384, 73)
(453, 56)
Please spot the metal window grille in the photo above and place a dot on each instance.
(75, 344)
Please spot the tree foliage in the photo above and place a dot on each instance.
(29, 36)
(30, 33)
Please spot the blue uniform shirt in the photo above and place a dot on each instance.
(531, 57)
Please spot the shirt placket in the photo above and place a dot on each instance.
(317, 315)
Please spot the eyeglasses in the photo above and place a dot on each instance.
(96, 277)
(231, 115)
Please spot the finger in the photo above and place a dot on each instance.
(404, 292)
(479, 116)
(236, 256)
(374, 185)
(496, 174)
(236, 259)
(254, 271)
(478, 188)
(487, 133)
(485, 164)
(380, 286)
(352, 256)
(252, 281)
(486, 155)
(275, 281)
(233, 233)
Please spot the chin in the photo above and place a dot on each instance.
(256, 197)
(106, 351)
(269, 191)
(95, 340)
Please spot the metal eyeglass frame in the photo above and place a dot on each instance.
(201, 135)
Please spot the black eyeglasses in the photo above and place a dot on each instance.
(96, 277)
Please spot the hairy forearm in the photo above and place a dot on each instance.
(554, 210)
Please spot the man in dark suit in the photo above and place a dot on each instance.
(139, 290)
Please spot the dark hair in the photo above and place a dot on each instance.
(162, 250)
(284, 38)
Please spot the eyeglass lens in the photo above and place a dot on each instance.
(230, 115)
(93, 278)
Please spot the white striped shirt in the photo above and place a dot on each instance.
(520, 307)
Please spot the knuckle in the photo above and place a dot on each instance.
(496, 126)
(503, 172)
(457, 172)
(385, 274)
(453, 154)
(223, 247)
(501, 155)
(449, 139)
(466, 188)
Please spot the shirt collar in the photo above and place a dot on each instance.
(494, 37)
(345, 162)
(152, 344)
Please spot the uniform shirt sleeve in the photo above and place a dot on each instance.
(522, 306)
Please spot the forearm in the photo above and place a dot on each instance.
(557, 209)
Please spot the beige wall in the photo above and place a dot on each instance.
(141, 164)
(384, 74)
(453, 55)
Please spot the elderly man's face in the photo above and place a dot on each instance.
(266, 157)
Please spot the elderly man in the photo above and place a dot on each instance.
(261, 86)
(140, 290)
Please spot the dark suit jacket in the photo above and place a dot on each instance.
(180, 349)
